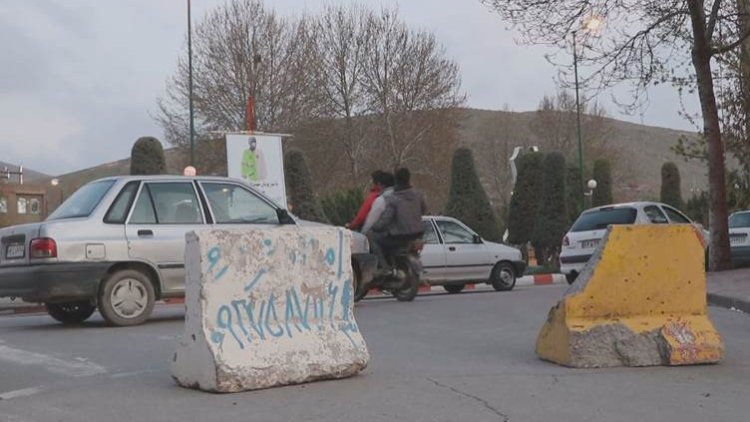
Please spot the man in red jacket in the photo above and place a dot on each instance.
(375, 191)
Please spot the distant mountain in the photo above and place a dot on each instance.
(640, 152)
(28, 174)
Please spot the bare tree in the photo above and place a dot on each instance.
(340, 34)
(643, 43)
(411, 86)
(226, 42)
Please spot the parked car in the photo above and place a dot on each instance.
(454, 255)
(739, 229)
(118, 244)
(588, 230)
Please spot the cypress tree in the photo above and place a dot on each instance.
(552, 219)
(670, 185)
(573, 187)
(527, 193)
(603, 176)
(147, 157)
(468, 201)
(300, 187)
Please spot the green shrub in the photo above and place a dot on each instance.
(468, 201)
(671, 193)
(147, 157)
(603, 175)
(574, 189)
(300, 186)
(552, 217)
(341, 207)
(527, 193)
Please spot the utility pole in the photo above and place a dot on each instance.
(190, 86)
(578, 122)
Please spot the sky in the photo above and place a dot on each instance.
(79, 78)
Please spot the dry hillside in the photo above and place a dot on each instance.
(639, 150)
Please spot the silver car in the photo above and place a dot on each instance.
(454, 255)
(118, 244)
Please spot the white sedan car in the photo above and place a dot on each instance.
(454, 255)
(583, 238)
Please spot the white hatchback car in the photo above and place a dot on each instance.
(589, 229)
(454, 255)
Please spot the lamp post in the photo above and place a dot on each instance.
(591, 25)
(591, 185)
(190, 85)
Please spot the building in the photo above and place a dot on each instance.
(21, 204)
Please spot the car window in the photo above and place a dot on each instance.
(118, 212)
(601, 219)
(739, 220)
(655, 215)
(175, 203)
(454, 233)
(430, 235)
(675, 216)
(233, 204)
(83, 202)
(143, 212)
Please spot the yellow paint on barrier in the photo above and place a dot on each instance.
(640, 301)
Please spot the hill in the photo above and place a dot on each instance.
(636, 151)
(28, 174)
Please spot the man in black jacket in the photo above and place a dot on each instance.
(401, 222)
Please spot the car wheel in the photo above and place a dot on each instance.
(503, 277)
(126, 298)
(571, 277)
(70, 312)
(453, 288)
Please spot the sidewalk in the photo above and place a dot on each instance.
(729, 289)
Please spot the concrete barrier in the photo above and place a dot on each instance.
(640, 301)
(268, 307)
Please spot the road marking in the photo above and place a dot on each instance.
(25, 392)
(52, 364)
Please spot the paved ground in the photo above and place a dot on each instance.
(730, 289)
(466, 357)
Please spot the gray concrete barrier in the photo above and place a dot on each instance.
(266, 308)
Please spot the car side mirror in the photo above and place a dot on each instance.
(284, 217)
(477, 239)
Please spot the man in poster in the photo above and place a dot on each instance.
(253, 163)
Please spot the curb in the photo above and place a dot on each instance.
(728, 302)
(528, 280)
(28, 308)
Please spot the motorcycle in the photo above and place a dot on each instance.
(402, 281)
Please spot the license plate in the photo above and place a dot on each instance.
(15, 251)
(588, 244)
(736, 240)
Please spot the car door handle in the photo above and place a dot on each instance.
(452, 248)
(145, 233)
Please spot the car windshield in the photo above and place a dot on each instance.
(83, 201)
(600, 219)
(739, 220)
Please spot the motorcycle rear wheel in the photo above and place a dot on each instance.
(410, 288)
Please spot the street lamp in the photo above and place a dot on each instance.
(591, 185)
(592, 25)
(190, 85)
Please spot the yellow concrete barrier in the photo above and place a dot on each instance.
(640, 301)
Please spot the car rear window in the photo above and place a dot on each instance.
(739, 220)
(83, 201)
(598, 220)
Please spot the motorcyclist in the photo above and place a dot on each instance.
(401, 222)
(387, 181)
(364, 210)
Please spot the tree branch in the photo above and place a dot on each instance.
(712, 19)
(729, 47)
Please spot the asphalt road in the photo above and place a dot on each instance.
(467, 357)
